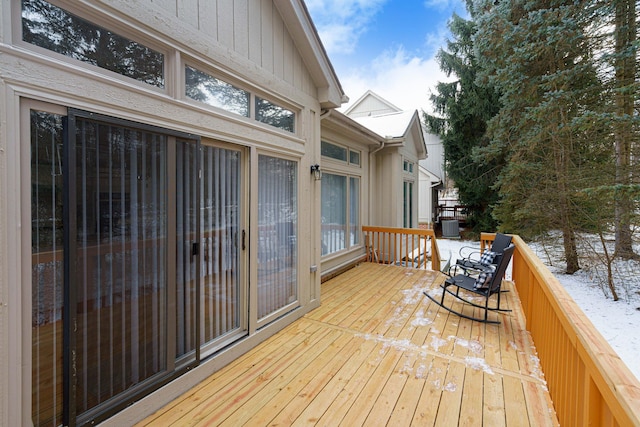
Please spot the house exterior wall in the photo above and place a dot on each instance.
(434, 163)
(252, 50)
(352, 140)
(426, 208)
(432, 173)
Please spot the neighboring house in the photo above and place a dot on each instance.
(432, 179)
(158, 216)
(395, 175)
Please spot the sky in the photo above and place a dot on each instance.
(386, 46)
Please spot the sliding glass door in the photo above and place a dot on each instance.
(136, 254)
(118, 235)
(222, 238)
(138, 257)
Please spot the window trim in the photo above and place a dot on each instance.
(348, 246)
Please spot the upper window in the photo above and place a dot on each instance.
(354, 157)
(215, 92)
(408, 166)
(333, 151)
(274, 115)
(55, 29)
(211, 90)
(337, 152)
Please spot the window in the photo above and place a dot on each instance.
(57, 30)
(354, 157)
(407, 166)
(215, 92)
(407, 205)
(340, 212)
(277, 236)
(354, 210)
(337, 152)
(333, 151)
(274, 115)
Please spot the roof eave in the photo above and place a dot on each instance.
(298, 21)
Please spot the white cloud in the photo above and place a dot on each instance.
(441, 4)
(340, 23)
(406, 81)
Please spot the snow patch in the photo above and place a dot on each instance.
(479, 364)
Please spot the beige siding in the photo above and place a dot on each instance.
(252, 29)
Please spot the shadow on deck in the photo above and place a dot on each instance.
(377, 352)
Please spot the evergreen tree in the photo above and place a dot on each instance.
(464, 109)
(625, 120)
(538, 54)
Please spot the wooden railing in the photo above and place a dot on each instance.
(458, 212)
(409, 247)
(588, 383)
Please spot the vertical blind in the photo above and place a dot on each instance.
(340, 212)
(121, 267)
(220, 218)
(277, 234)
(186, 237)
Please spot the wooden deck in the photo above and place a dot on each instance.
(377, 352)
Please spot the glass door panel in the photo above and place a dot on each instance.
(277, 235)
(186, 247)
(221, 239)
(121, 247)
(47, 280)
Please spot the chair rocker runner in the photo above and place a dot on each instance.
(485, 285)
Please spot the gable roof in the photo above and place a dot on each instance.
(305, 35)
(371, 104)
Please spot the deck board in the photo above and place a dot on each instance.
(377, 352)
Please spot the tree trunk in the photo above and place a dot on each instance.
(625, 71)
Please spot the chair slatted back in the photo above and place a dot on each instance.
(505, 258)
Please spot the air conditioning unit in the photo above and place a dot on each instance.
(450, 229)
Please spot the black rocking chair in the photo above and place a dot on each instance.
(475, 261)
(485, 285)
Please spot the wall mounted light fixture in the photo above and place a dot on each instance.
(317, 173)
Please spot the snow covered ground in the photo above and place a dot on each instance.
(617, 321)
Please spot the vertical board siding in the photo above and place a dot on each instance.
(253, 29)
(208, 26)
(266, 36)
(588, 382)
(241, 27)
(187, 11)
(226, 23)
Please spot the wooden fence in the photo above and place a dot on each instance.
(588, 383)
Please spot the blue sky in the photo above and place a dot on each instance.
(387, 46)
